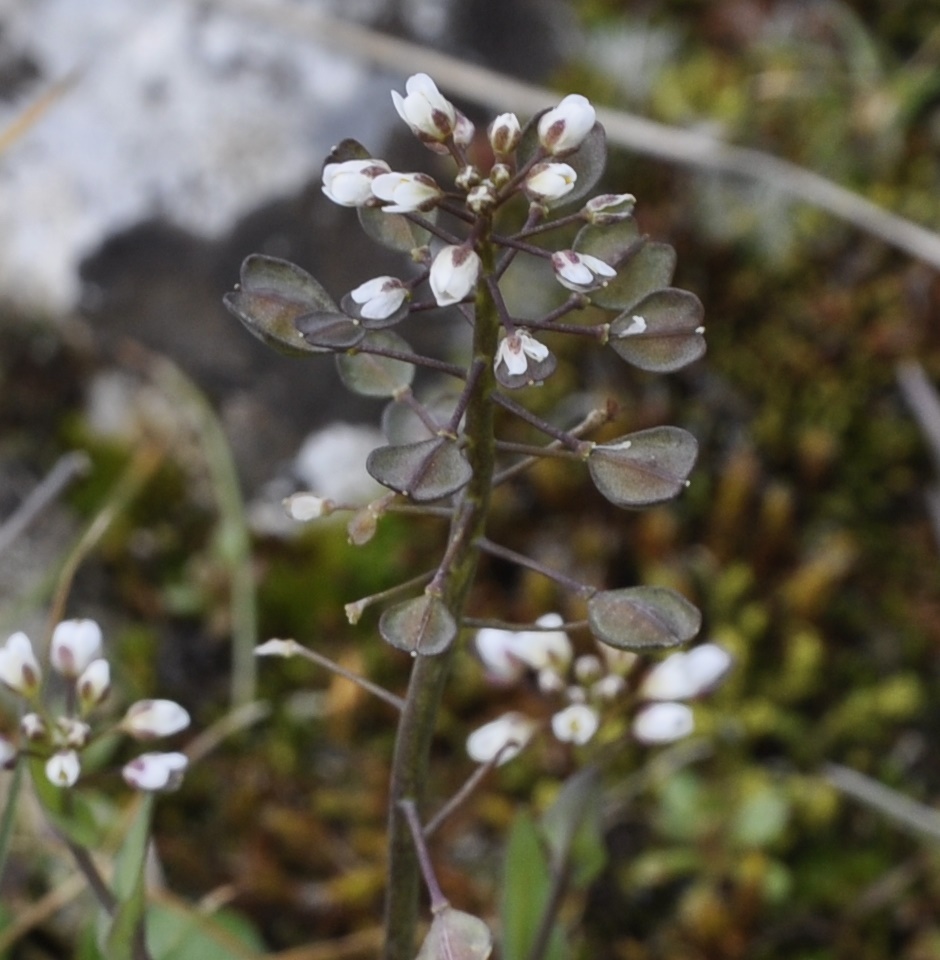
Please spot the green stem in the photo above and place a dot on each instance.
(419, 717)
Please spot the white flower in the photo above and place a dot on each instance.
(504, 133)
(454, 274)
(503, 737)
(277, 648)
(575, 724)
(609, 208)
(70, 732)
(580, 271)
(350, 183)
(406, 192)
(609, 687)
(7, 752)
(663, 723)
(431, 116)
(332, 462)
(544, 649)
(63, 768)
(94, 683)
(19, 668)
(564, 128)
(516, 350)
(682, 676)
(33, 727)
(380, 297)
(550, 181)
(155, 771)
(75, 643)
(637, 326)
(588, 668)
(494, 647)
(307, 506)
(148, 719)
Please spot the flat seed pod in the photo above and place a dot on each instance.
(329, 331)
(650, 269)
(662, 332)
(376, 376)
(422, 626)
(588, 161)
(643, 468)
(642, 618)
(272, 294)
(455, 935)
(393, 230)
(427, 470)
(610, 243)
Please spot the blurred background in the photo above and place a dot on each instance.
(146, 149)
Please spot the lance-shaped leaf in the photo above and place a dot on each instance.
(330, 331)
(641, 618)
(661, 333)
(394, 230)
(643, 468)
(373, 375)
(272, 294)
(455, 935)
(426, 470)
(422, 625)
(588, 161)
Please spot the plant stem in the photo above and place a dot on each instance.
(418, 719)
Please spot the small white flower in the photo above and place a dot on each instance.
(516, 350)
(494, 647)
(504, 133)
(277, 648)
(33, 727)
(350, 183)
(564, 128)
(575, 724)
(503, 737)
(380, 297)
(549, 681)
(148, 719)
(588, 668)
(609, 208)
(580, 271)
(406, 192)
(550, 181)
(70, 732)
(63, 768)
(155, 771)
(94, 683)
(430, 115)
(663, 723)
(307, 506)
(454, 274)
(682, 676)
(19, 668)
(75, 643)
(609, 688)
(8, 752)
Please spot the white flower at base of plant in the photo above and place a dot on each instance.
(687, 674)
(63, 768)
(494, 647)
(454, 274)
(580, 271)
(517, 349)
(663, 723)
(503, 737)
(564, 128)
(148, 719)
(75, 643)
(350, 183)
(19, 668)
(430, 115)
(550, 181)
(8, 752)
(277, 648)
(575, 724)
(406, 192)
(380, 297)
(155, 771)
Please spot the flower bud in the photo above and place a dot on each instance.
(277, 648)
(406, 192)
(580, 271)
(70, 732)
(609, 208)
(75, 643)
(454, 274)
(482, 197)
(155, 771)
(63, 768)
(350, 183)
(588, 668)
(467, 178)
(609, 688)
(431, 117)
(463, 131)
(663, 723)
(503, 737)
(516, 350)
(550, 181)
(504, 133)
(379, 298)
(33, 727)
(564, 128)
(94, 684)
(307, 506)
(575, 724)
(148, 719)
(19, 668)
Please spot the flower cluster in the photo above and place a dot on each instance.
(60, 736)
(588, 685)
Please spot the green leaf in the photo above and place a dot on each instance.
(69, 811)
(662, 332)
(573, 827)
(329, 331)
(642, 618)
(427, 470)
(273, 293)
(372, 375)
(422, 625)
(643, 468)
(394, 230)
(176, 931)
(455, 935)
